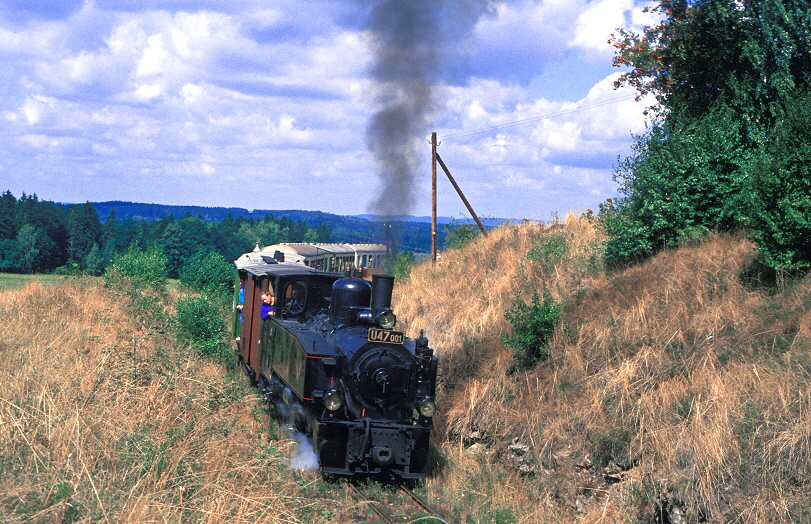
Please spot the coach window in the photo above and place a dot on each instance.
(295, 297)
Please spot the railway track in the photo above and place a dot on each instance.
(400, 512)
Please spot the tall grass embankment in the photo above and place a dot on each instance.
(673, 391)
(103, 418)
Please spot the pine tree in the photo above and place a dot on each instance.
(84, 229)
(8, 212)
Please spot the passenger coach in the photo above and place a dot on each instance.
(369, 258)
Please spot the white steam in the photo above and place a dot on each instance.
(305, 457)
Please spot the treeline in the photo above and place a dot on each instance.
(409, 235)
(38, 236)
(729, 141)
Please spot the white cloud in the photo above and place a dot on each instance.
(105, 150)
(144, 93)
(242, 93)
(597, 22)
(153, 58)
(37, 107)
(191, 91)
(37, 141)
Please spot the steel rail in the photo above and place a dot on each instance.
(424, 504)
(371, 503)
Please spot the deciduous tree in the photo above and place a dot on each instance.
(725, 74)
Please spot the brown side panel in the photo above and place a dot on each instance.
(256, 323)
(249, 337)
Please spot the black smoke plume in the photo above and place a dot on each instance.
(412, 40)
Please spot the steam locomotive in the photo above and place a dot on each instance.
(330, 362)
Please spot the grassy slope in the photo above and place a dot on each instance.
(671, 387)
(101, 419)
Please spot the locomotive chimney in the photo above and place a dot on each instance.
(382, 287)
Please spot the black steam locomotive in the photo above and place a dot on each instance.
(331, 363)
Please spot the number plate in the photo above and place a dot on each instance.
(386, 336)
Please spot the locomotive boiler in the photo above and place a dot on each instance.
(331, 362)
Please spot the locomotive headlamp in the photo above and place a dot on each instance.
(332, 401)
(386, 319)
(427, 408)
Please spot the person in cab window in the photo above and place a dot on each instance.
(268, 308)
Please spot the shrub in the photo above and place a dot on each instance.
(199, 323)
(403, 264)
(533, 325)
(460, 234)
(209, 272)
(781, 192)
(683, 178)
(141, 275)
(138, 270)
(550, 250)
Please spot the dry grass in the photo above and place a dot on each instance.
(673, 391)
(100, 420)
(673, 388)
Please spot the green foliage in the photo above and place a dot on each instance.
(781, 192)
(94, 262)
(723, 150)
(36, 247)
(10, 256)
(209, 272)
(64, 235)
(84, 230)
(50, 221)
(549, 250)
(680, 182)
(141, 276)
(199, 322)
(534, 325)
(182, 239)
(8, 212)
(748, 54)
(459, 234)
(403, 264)
(138, 270)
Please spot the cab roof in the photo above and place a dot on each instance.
(284, 270)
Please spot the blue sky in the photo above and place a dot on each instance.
(267, 105)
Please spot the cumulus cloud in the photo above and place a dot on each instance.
(515, 41)
(192, 100)
(596, 23)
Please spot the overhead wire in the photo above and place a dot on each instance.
(465, 134)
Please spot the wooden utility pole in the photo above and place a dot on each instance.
(433, 198)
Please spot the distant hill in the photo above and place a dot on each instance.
(413, 233)
(152, 212)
